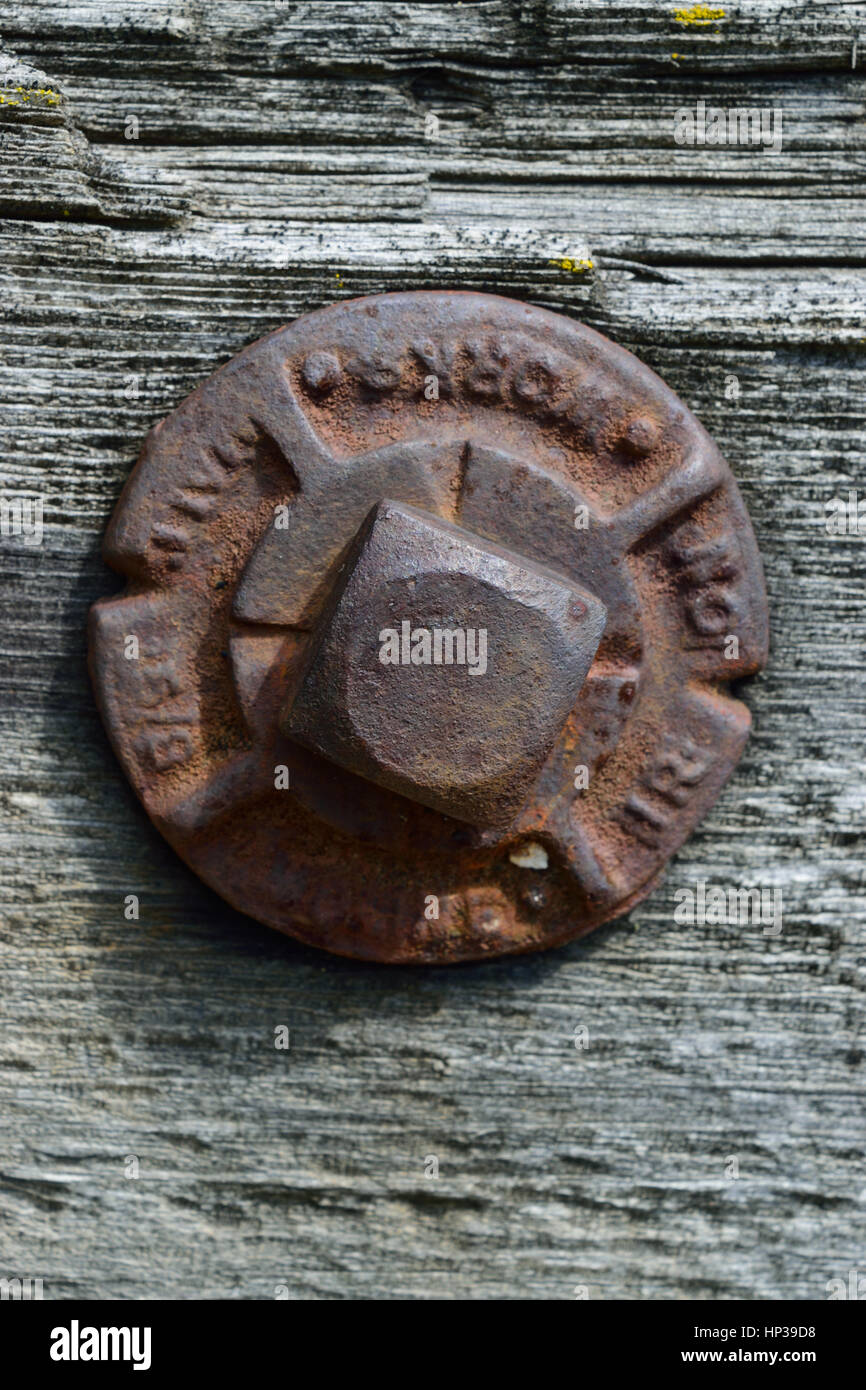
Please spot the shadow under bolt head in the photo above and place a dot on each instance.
(429, 675)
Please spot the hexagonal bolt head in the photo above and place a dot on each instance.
(443, 666)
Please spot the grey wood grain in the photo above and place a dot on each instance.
(281, 163)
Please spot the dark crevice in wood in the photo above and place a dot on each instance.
(77, 216)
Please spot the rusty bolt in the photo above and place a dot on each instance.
(443, 666)
(379, 477)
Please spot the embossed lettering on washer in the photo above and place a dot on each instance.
(434, 602)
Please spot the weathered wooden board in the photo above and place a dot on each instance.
(281, 162)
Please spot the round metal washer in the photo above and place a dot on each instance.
(470, 450)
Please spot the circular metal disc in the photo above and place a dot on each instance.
(452, 453)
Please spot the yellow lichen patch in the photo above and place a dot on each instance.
(46, 95)
(698, 14)
(578, 267)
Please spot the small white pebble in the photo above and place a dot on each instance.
(532, 855)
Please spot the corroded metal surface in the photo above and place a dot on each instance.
(382, 481)
(457, 711)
